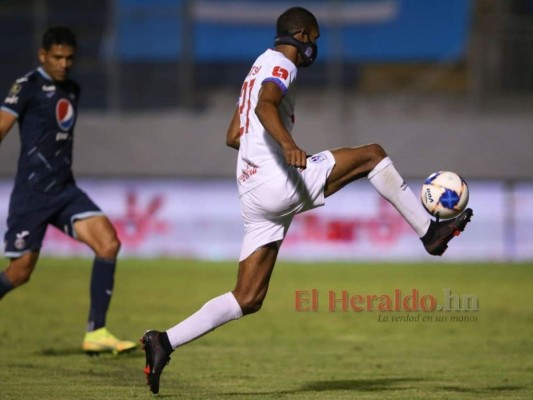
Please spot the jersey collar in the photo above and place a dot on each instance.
(44, 74)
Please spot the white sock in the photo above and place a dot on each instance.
(393, 188)
(214, 313)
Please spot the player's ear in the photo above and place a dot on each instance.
(42, 55)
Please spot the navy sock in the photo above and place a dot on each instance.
(102, 280)
(5, 284)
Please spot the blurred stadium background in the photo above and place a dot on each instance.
(441, 85)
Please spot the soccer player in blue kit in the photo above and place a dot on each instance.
(45, 103)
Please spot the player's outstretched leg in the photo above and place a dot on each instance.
(441, 232)
(156, 359)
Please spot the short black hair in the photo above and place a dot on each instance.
(58, 35)
(295, 18)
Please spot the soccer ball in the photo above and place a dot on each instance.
(444, 194)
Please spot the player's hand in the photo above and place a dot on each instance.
(295, 156)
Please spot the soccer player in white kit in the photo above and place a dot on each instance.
(277, 180)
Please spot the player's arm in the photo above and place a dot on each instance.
(7, 120)
(270, 97)
(233, 136)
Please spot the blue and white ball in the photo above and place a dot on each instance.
(444, 194)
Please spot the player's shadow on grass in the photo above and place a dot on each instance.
(490, 389)
(77, 351)
(361, 385)
(60, 351)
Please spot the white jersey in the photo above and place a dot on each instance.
(260, 156)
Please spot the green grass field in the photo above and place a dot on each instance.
(278, 353)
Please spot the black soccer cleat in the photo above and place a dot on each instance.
(156, 359)
(441, 232)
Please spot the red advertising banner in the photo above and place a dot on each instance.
(201, 219)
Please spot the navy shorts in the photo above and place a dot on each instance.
(30, 213)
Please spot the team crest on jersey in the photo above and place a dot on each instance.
(20, 242)
(65, 114)
(316, 158)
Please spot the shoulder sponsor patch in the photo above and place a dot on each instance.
(11, 100)
(15, 89)
(280, 72)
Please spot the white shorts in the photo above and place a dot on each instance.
(268, 209)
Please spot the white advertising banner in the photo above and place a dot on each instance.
(201, 219)
(520, 215)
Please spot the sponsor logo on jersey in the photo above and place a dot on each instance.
(250, 170)
(280, 73)
(12, 97)
(11, 100)
(61, 136)
(65, 114)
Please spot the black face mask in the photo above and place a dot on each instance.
(308, 51)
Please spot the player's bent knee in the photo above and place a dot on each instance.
(109, 248)
(251, 308)
(115, 245)
(249, 305)
(376, 152)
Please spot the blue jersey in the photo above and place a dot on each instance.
(46, 112)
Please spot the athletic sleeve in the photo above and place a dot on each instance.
(17, 97)
(282, 73)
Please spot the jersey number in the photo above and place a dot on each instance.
(246, 92)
